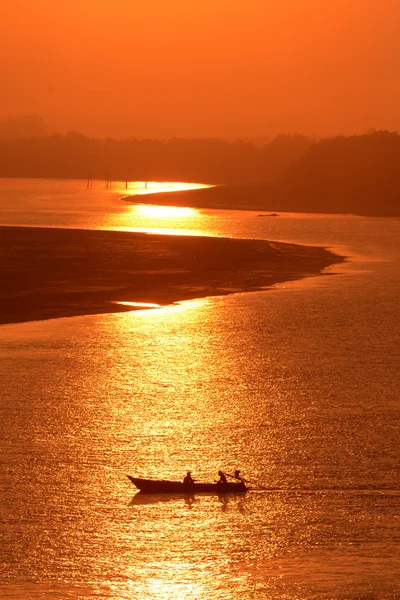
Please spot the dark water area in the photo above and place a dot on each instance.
(297, 386)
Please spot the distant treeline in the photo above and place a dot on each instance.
(199, 160)
(357, 174)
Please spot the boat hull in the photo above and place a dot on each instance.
(151, 486)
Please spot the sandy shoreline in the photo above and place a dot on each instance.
(49, 273)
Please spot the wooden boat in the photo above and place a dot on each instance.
(162, 486)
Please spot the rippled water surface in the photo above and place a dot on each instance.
(297, 386)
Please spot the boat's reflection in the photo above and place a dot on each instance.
(230, 499)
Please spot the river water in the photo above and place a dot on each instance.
(297, 386)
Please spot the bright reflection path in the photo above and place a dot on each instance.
(152, 210)
(169, 308)
(140, 304)
(166, 220)
(163, 231)
(153, 218)
(158, 187)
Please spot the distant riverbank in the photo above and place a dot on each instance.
(273, 197)
(49, 273)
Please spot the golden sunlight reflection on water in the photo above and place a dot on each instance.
(170, 308)
(139, 304)
(161, 231)
(162, 212)
(165, 220)
(297, 387)
(182, 383)
(141, 188)
(160, 219)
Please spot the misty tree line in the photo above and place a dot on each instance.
(358, 173)
(204, 160)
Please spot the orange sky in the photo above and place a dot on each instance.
(195, 68)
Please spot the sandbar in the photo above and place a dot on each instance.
(48, 273)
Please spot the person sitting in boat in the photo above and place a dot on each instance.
(188, 479)
(222, 478)
(237, 475)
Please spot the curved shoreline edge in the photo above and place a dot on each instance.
(50, 273)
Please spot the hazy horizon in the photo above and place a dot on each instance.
(167, 69)
(16, 126)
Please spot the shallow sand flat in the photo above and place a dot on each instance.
(48, 273)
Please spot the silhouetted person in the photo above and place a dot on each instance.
(222, 478)
(188, 479)
(237, 474)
